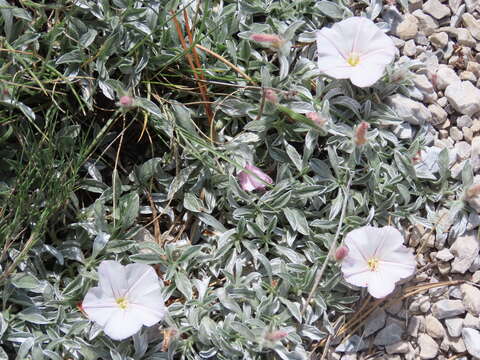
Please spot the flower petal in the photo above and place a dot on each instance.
(360, 241)
(142, 279)
(355, 272)
(150, 308)
(366, 75)
(98, 307)
(253, 178)
(380, 284)
(123, 324)
(112, 278)
(389, 240)
(330, 42)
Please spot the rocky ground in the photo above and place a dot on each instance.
(439, 322)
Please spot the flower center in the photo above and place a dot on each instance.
(122, 303)
(373, 264)
(353, 59)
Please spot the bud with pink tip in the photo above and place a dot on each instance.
(126, 101)
(270, 96)
(275, 40)
(276, 335)
(316, 118)
(251, 179)
(361, 133)
(341, 253)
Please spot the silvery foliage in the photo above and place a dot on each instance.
(235, 265)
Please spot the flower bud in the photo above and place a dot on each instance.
(270, 96)
(275, 40)
(126, 101)
(361, 133)
(473, 191)
(341, 253)
(316, 118)
(252, 178)
(276, 335)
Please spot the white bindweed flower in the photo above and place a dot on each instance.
(253, 178)
(127, 298)
(377, 259)
(354, 49)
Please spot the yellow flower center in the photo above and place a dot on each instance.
(373, 264)
(353, 59)
(122, 303)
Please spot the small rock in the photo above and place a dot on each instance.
(390, 334)
(403, 131)
(400, 347)
(465, 249)
(425, 86)
(456, 345)
(349, 357)
(471, 338)
(475, 265)
(472, 5)
(445, 76)
(473, 222)
(439, 116)
(434, 327)
(454, 4)
(425, 22)
(394, 307)
(463, 149)
(463, 36)
(409, 110)
(454, 292)
(471, 299)
(457, 16)
(464, 121)
(439, 40)
(456, 134)
(351, 345)
(408, 28)
(436, 9)
(447, 308)
(420, 304)
(467, 134)
(415, 324)
(472, 24)
(444, 255)
(375, 322)
(428, 347)
(474, 67)
(444, 267)
(468, 76)
(410, 48)
(464, 97)
(471, 321)
(454, 326)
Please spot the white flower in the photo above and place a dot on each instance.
(377, 259)
(127, 298)
(354, 49)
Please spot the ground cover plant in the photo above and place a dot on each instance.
(200, 138)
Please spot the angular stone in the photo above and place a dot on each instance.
(471, 338)
(410, 48)
(463, 149)
(444, 255)
(454, 326)
(390, 334)
(471, 299)
(456, 134)
(469, 76)
(445, 76)
(400, 347)
(439, 40)
(464, 97)
(472, 24)
(375, 322)
(409, 110)
(471, 321)
(436, 9)
(434, 327)
(428, 347)
(426, 23)
(408, 28)
(465, 249)
(439, 116)
(447, 308)
(464, 121)
(353, 344)
(415, 324)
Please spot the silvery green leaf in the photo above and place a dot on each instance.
(294, 156)
(149, 106)
(75, 57)
(297, 220)
(467, 175)
(293, 308)
(3, 354)
(25, 281)
(129, 206)
(24, 349)
(329, 8)
(27, 111)
(211, 221)
(99, 243)
(87, 39)
(193, 203)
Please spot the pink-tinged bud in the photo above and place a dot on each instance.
(251, 179)
(273, 39)
(473, 191)
(417, 157)
(361, 133)
(316, 118)
(341, 253)
(126, 101)
(276, 335)
(270, 96)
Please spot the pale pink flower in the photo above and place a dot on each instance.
(271, 96)
(127, 298)
(377, 259)
(126, 101)
(341, 253)
(354, 49)
(276, 335)
(361, 133)
(253, 178)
